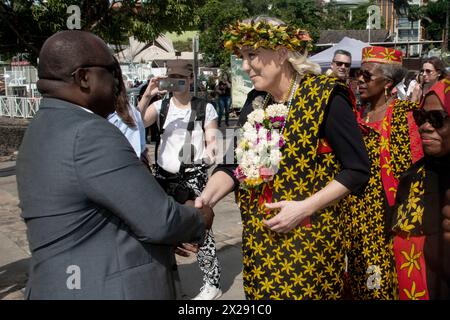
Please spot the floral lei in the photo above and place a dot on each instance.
(265, 35)
(259, 150)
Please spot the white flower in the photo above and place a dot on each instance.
(248, 126)
(258, 103)
(256, 116)
(277, 110)
(275, 157)
(258, 152)
(251, 137)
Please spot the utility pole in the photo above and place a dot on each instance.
(195, 51)
(445, 40)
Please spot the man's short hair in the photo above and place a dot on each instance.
(343, 52)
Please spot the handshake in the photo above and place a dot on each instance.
(207, 213)
(205, 210)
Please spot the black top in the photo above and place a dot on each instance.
(341, 130)
(223, 89)
(436, 249)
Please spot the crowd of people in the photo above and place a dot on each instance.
(355, 203)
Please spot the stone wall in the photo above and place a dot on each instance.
(11, 134)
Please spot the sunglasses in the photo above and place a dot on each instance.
(367, 76)
(111, 68)
(340, 64)
(427, 71)
(434, 117)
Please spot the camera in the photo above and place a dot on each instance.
(172, 84)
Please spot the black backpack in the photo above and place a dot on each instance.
(198, 113)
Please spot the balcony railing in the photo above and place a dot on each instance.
(18, 107)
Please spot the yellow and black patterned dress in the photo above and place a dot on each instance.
(393, 144)
(308, 262)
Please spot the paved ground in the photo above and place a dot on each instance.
(14, 253)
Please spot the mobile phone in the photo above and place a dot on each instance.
(420, 78)
(172, 84)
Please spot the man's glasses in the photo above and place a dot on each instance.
(111, 68)
(434, 117)
(340, 64)
(427, 71)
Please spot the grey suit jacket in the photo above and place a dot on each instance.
(99, 226)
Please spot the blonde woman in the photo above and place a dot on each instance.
(292, 225)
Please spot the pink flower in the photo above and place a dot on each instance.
(266, 173)
(239, 174)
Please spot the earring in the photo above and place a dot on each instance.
(386, 93)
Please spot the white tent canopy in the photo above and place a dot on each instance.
(354, 46)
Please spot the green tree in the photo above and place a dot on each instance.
(25, 24)
(215, 15)
(435, 24)
(183, 45)
(333, 16)
(305, 13)
(359, 17)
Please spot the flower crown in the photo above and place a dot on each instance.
(265, 35)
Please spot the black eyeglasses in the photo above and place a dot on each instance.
(434, 117)
(111, 68)
(340, 63)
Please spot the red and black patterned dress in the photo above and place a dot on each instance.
(422, 255)
(393, 145)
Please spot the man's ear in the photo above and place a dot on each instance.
(282, 54)
(82, 78)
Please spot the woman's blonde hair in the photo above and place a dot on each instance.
(299, 61)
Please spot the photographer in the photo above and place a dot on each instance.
(184, 152)
(223, 91)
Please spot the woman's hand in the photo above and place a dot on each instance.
(153, 88)
(416, 93)
(291, 215)
(294, 212)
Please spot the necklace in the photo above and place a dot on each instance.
(289, 94)
(373, 112)
(292, 90)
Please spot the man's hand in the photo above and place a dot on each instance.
(446, 214)
(205, 210)
(185, 249)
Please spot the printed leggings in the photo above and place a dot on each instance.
(195, 180)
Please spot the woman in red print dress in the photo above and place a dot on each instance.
(421, 205)
(393, 143)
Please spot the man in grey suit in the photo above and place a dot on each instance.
(99, 226)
